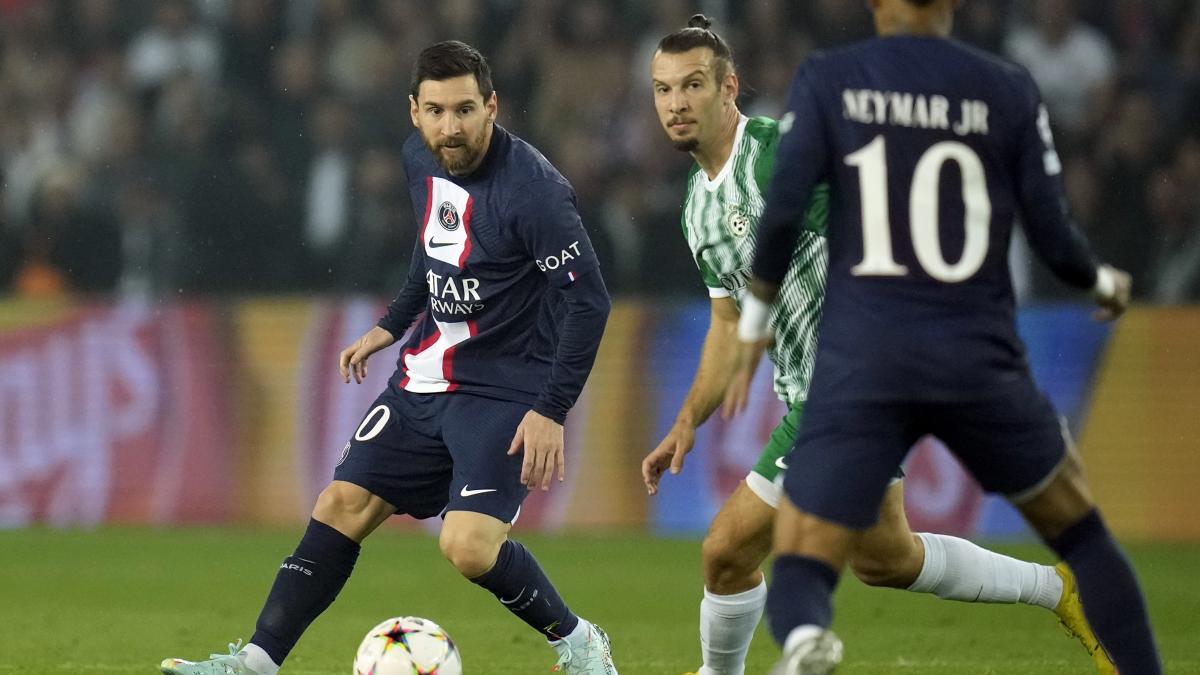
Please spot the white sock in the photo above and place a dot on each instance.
(956, 569)
(258, 661)
(576, 639)
(727, 624)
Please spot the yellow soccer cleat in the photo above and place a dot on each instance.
(1070, 615)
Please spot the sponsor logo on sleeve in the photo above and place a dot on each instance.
(553, 262)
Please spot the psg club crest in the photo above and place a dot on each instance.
(448, 217)
(737, 222)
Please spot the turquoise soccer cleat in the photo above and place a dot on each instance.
(217, 664)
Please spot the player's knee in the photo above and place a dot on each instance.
(345, 507)
(728, 563)
(470, 553)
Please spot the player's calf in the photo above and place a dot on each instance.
(896, 568)
(735, 593)
(1108, 587)
(737, 543)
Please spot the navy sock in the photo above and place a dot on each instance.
(306, 584)
(800, 594)
(1109, 591)
(518, 581)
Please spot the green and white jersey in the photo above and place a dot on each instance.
(720, 220)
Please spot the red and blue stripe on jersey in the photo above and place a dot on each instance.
(505, 274)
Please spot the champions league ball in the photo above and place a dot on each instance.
(407, 645)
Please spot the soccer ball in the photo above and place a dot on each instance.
(407, 645)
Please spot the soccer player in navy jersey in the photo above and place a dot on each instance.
(513, 311)
(931, 149)
(695, 85)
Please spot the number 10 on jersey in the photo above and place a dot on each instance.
(878, 259)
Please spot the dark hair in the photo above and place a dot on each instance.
(921, 3)
(698, 34)
(450, 59)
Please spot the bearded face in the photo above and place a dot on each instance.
(455, 122)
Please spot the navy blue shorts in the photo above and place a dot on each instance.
(1011, 444)
(429, 453)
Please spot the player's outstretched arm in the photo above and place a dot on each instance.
(353, 359)
(754, 336)
(1046, 215)
(705, 394)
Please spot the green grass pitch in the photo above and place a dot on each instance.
(118, 601)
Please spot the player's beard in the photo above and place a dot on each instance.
(463, 156)
(686, 144)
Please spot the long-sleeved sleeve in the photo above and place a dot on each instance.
(1044, 210)
(578, 342)
(547, 222)
(800, 163)
(411, 300)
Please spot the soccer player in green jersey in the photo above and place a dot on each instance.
(695, 93)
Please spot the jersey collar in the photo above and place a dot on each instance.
(712, 185)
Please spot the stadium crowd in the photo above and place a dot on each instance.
(154, 147)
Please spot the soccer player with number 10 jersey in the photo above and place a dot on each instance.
(695, 88)
(931, 150)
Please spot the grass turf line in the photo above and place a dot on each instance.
(120, 600)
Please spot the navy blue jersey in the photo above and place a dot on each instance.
(932, 149)
(513, 299)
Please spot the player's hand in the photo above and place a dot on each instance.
(1115, 305)
(542, 440)
(737, 392)
(353, 359)
(668, 455)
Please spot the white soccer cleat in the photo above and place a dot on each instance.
(593, 656)
(809, 650)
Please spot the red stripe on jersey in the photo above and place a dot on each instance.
(428, 205)
(466, 223)
(422, 346)
(448, 358)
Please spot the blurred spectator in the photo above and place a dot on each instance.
(984, 24)
(152, 254)
(375, 252)
(582, 76)
(1174, 202)
(327, 190)
(295, 82)
(172, 44)
(1129, 151)
(69, 244)
(1069, 60)
(251, 145)
(249, 42)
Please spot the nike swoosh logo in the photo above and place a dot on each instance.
(471, 493)
(780, 463)
(440, 244)
(515, 597)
